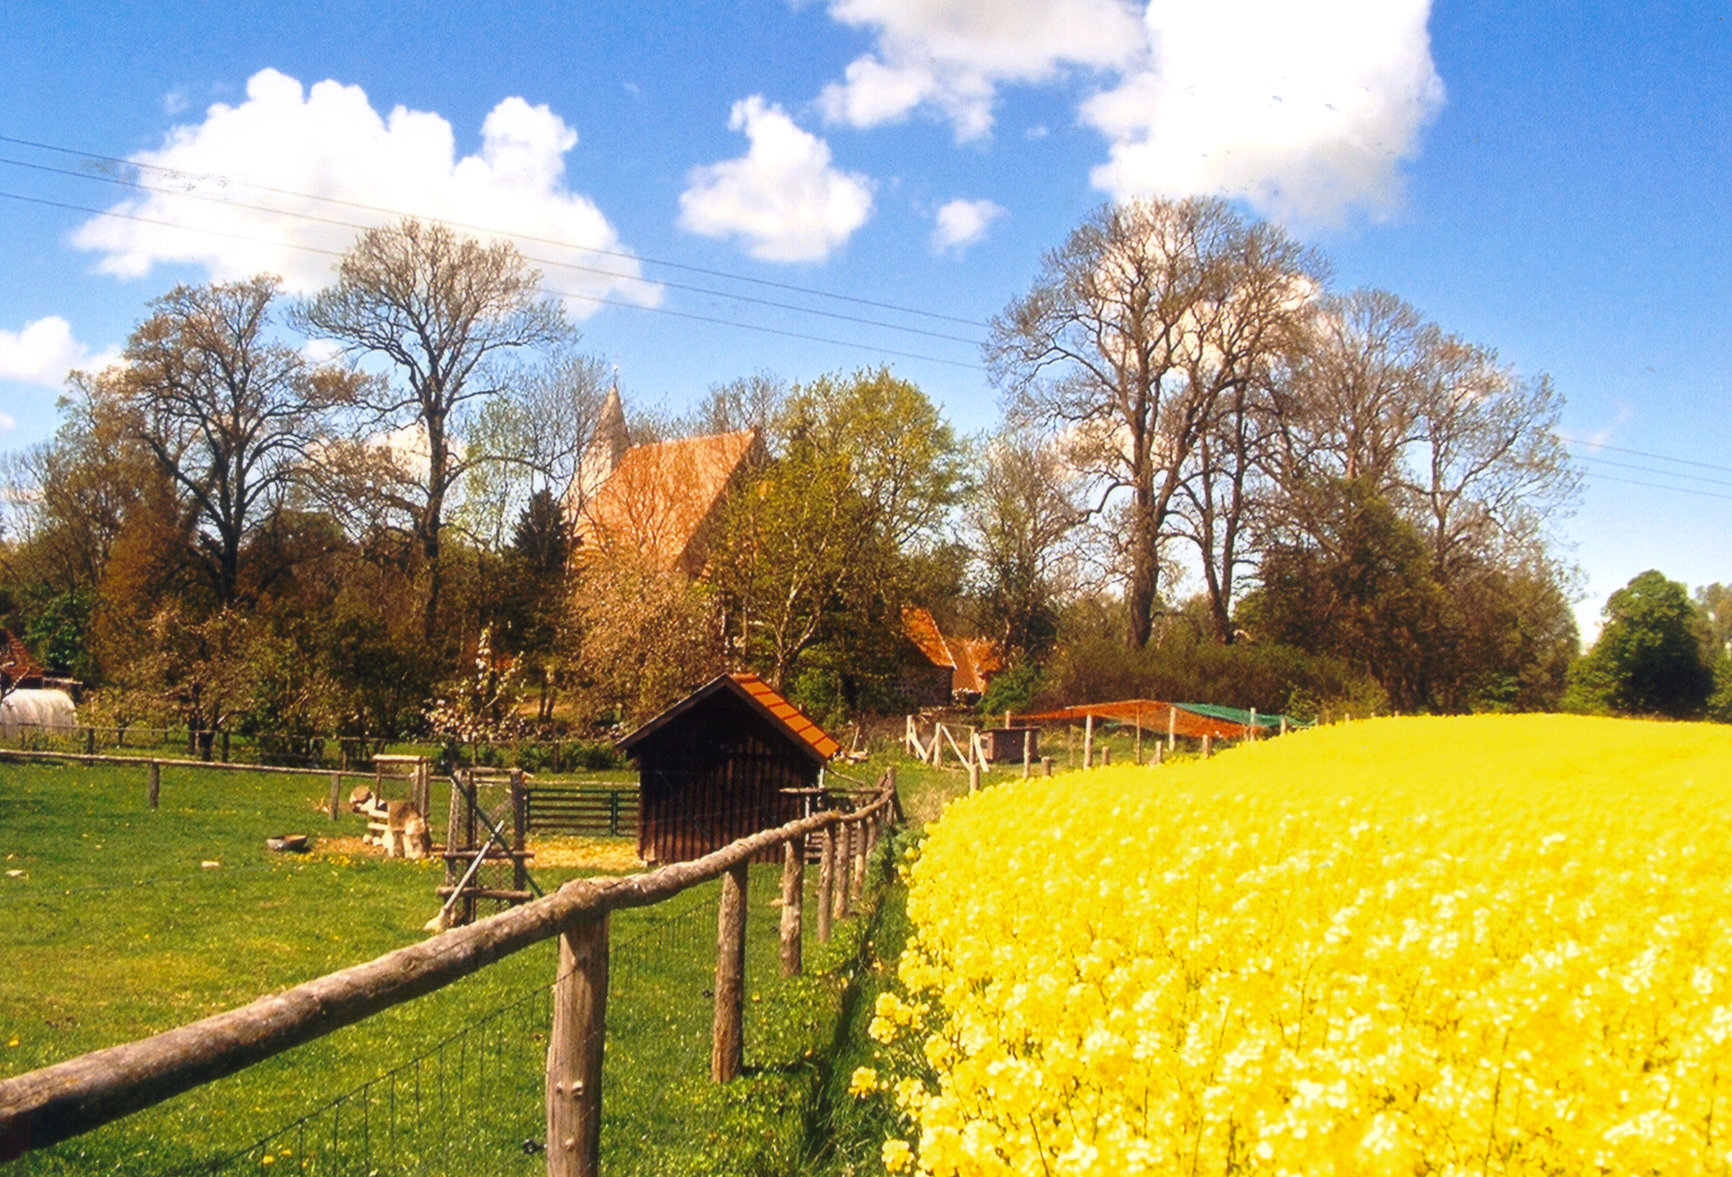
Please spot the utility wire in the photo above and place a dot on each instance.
(672, 265)
(602, 301)
(1659, 473)
(1594, 445)
(541, 261)
(1687, 490)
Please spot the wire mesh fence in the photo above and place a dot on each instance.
(470, 1100)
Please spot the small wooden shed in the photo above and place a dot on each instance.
(715, 766)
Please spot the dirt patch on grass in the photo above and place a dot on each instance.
(615, 855)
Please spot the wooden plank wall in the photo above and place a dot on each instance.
(714, 776)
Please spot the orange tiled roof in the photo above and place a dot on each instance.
(970, 660)
(15, 661)
(923, 631)
(657, 499)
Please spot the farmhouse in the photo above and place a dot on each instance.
(939, 670)
(717, 766)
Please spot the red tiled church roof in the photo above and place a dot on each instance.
(660, 495)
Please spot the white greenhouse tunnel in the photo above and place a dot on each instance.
(24, 712)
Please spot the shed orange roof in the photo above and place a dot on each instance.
(790, 716)
(807, 735)
(1150, 715)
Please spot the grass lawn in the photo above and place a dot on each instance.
(117, 922)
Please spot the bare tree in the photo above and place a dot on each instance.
(748, 402)
(226, 411)
(1020, 524)
(1135, 329)
(442, 308)
(1463, 446)
(1489, 473)
(529, 440)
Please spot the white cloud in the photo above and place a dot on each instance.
(951, 57)
(44, 352)
(1303, 110)
(783, 197)
(961, 223)
(293, 153)
(7, 422)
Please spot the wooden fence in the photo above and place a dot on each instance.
(582, 807)
(58, 1102)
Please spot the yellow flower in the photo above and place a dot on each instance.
(863, 1083)
(1346, 950)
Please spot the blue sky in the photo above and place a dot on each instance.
(1548, 179)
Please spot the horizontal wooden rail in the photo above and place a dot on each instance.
(146, 761)
(583, 809)
(57, 1102)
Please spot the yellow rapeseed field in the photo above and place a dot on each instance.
(1496, 944)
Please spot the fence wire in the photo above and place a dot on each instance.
(472, 1103)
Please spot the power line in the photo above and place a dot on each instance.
(784, 333)
(543, 261)
(1660, 473)
(1687, 490)
(1594, 445)
(690, 269)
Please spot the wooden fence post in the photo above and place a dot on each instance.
(519, 831)
(727, 1041)
(1088, 742)
(844, 864)
(1046, 766)
(1027, 749)
(574, 1051)
(793, 898)
(1208, 746)
(826, 883)
(1172, 725)
(336, 793)
(857, 876)
(155, 782)
(1106, 755)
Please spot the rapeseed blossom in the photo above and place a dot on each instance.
(1494, 944)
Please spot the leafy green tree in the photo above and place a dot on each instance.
(1362, 592)
(851, 514)
(533, 595)
(1648, 658)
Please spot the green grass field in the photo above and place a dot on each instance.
(117, 922)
